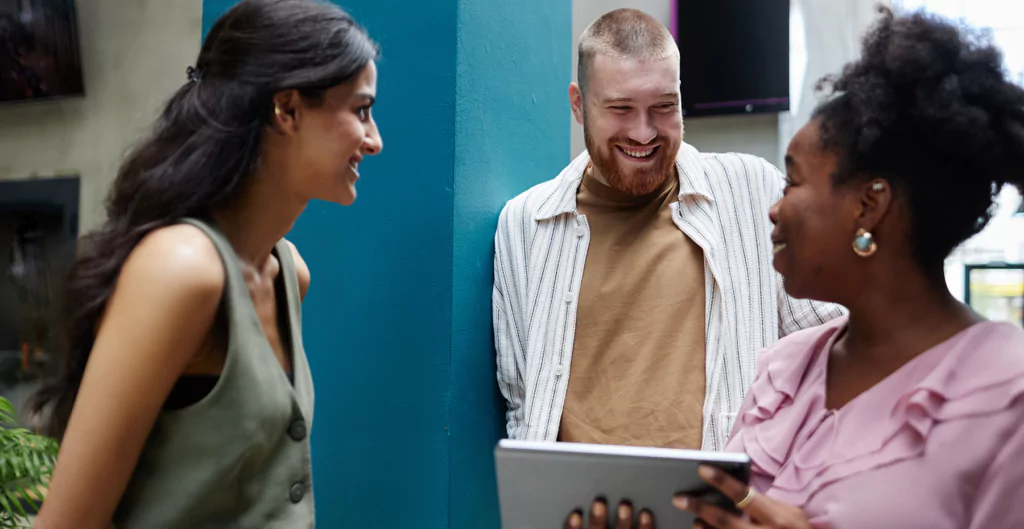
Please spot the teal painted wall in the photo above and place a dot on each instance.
(472, 108)
(512, 120)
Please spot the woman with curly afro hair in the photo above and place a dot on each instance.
(908, 412)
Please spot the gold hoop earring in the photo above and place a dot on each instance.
(277, 111)
(864, 243)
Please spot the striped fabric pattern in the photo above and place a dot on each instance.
(540, 250)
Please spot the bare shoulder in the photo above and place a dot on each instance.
(164, 303)
(175, 261)
(301, 269)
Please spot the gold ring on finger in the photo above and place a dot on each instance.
(745, 502)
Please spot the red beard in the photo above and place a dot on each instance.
(635, 181)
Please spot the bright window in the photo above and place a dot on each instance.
(1003, 239)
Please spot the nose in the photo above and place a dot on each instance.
(372, 142)
(773, 212)
(643, 131)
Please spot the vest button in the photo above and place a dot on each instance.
(297, 430)
(297, 492)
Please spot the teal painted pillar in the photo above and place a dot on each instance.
(473, 110)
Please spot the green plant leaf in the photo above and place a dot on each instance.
(26, 464)
(33, 496)
(10, 504)
(7, 414)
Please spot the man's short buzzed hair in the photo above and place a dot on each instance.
(624, 33)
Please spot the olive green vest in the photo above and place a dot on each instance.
(239, 458)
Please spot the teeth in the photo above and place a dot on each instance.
(638, 154)
(354, 166)
(778, 247)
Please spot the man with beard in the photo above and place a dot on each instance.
(643, 270)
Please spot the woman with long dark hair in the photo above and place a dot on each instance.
(186, 399)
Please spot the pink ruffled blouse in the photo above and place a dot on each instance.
(939, 444)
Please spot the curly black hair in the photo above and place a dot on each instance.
(929, 108)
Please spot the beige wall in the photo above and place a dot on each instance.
(757, 134)
(134, 54)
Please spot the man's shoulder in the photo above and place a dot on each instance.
(529, 202)
(741, 177)
(735, 164)
(546, 197)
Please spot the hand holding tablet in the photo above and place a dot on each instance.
(540, 484)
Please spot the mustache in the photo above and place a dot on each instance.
(633, 143)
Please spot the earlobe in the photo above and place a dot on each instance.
(576, 102)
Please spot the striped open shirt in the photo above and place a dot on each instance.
(541, 247)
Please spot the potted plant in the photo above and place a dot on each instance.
(26, 463)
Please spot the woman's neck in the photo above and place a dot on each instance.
(902, 316)
(259, 218)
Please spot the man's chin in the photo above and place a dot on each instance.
(638, 183)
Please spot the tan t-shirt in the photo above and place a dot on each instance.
(637, 372)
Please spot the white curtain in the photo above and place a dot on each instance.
(824, 35)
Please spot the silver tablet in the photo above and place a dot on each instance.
(540, 484)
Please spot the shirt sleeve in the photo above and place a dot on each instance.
(998, 503)
(508, 338)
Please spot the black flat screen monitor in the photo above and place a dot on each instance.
(734, 56)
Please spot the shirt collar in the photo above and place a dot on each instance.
(562, 200)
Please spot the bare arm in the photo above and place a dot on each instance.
(158, 317)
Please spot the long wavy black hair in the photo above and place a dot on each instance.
(203, 149)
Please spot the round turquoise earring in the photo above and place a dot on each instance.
(864, 243)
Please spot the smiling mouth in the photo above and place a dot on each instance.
(354, 166)
(638, 153)
(778, 247)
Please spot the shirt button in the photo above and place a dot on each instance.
(559, 371)
(580, 231)
(297, 430)
(568, 297)
(297, 492)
